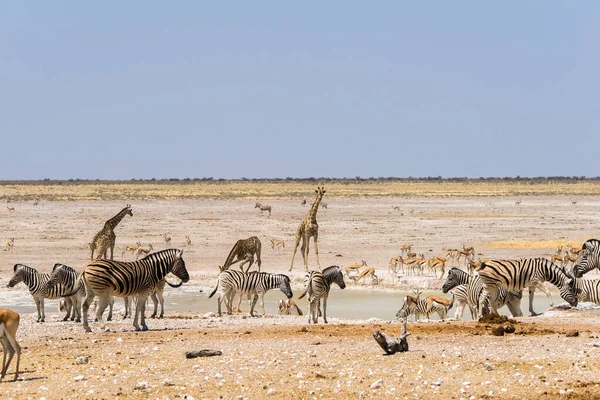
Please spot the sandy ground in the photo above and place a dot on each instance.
(275, 355)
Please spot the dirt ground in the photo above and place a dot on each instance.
(283, 357)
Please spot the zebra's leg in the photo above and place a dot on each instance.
(531, 293)
(103, 302)
(306, 247)
(316, 240)
(68, 306)
(140, 310)
(154, 298)
(325, 307)
(111, 303)
(262, 303)
(547, 292)
(254, 300)
(161, 300)
(43, 312)
(77, 306)
(127, 305)
(89, 297)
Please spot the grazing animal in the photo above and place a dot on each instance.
(105, 239)
(354, 269)
(436, 301)
(368, 272)
(143, 252)
(324, 206)
(303, 202)
(37, 284)
(104, 278)
(10, 244)
(167, 239)
(244, 250)
(231, 282)
(589, 258)
(438, 263)
(9, 323)
(405, 248)
(318, 285)
(289, 307)
(66, 277)
(308, 228)
(397, 208)
(276, 243)
(518, 203)
(131, 248)
(263, 208)
(10, 209)
(188, 241)
(471, 295)
(417, 306)
(394, 266)
(573, 202)
(520, 274)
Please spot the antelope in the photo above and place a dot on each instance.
(573, 202)
(167, 240)
(518, 202)
(142, 251)
(368, 272)
(132, 248)
(277, 243)
(569, 258)
(289, 307)
(35, 203)
(460, 253)
(10, 209)
(472, 266)
(355, 268)
(469, 249)
(393, 265)
(574, 251)
(433, 301)
(188, 241)
(10, 244)
(405, 248)
(558, 257)
(324, 205)
(437, 263)
(9, 323)
(397, 208)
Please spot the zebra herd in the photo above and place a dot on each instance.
(496, 283)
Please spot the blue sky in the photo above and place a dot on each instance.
(121, 90)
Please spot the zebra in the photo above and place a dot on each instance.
(589, 258)
(418, 306)
(68, 278)
(105, 278)
(318, 285)
(468, 289)
(263, 208)
(520, 274)
(587, 290)
(37, 284)
(254, 283)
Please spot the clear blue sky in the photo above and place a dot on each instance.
(143, 89)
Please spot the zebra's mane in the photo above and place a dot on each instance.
(64, 266)
(330, 270)
(167, 253)
(26, 268)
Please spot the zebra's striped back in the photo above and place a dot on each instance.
(588, 259)
(36, 282)
(130, 278)
(252, 282)
(525, 273)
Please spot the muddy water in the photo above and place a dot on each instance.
(347, 304)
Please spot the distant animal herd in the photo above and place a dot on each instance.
(483, 285)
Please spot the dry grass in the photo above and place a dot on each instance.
(121, 190)
(536, 244)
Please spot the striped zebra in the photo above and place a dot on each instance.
(587, 290)
(317, 288)
(589, 258)
(468, 290)
(105, 278)
(231, 282)
(520, 274)
(417, 307)
(37, 284)
(67, 277)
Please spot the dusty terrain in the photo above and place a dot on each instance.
(275, 355)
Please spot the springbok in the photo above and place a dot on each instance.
(9, 323)
(355, 269)
(367, 272)
(10, 244)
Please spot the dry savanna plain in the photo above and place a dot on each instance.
(275, 356)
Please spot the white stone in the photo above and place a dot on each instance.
(377, 384)
(218, 376)
(142, 385)
(271, 392)
(79, 378)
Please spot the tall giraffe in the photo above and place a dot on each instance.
(308, 228)
(105, 239)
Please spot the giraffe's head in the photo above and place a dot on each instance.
(320, 190)
(128, 210)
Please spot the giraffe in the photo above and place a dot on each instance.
(105, 239)
(308, 228)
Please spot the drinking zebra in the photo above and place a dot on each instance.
(318, 286)
(37, 284)
(417, 306)
(589, 258)
(468, 291)
(68, 278)
(104, 278)
(587, 290)
(520, 274)
(232, 282)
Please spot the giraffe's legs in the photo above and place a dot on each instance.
(316, 238)
(295, 249)
(305, 249)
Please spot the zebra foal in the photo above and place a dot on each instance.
(318, 286)
(105, 278)
(520, 274)
(417, 306)
(37, 282)
(231, 282)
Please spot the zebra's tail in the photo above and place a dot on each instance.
(214, 291)
(303, 294)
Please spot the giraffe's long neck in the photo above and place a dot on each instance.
(312, 213)
(114, 221)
